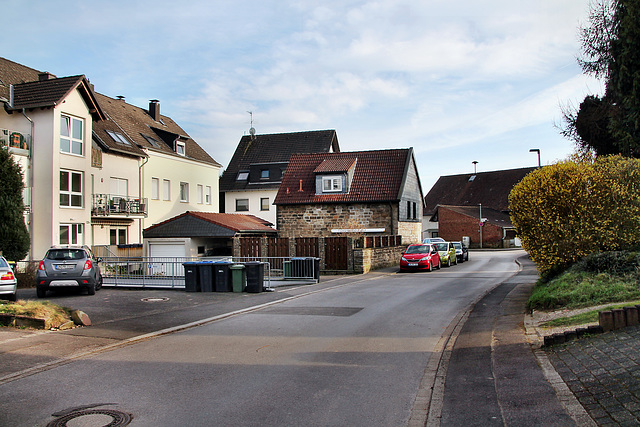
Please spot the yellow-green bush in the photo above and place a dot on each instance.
(570, 209)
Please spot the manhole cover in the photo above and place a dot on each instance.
(155, 299)
(91, 417)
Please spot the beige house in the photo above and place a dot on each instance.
(97, 170)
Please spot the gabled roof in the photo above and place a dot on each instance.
(137, 125)
(208, 224)
(274, 148)
(378, 176)
(492, 216)
(489, 188)
(12, 73)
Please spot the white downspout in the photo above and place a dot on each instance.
(30, 179)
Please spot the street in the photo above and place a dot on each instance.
(354, 353)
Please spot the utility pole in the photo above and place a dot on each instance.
(481, 224)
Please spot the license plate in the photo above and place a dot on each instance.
(413, 264)
(65, 266)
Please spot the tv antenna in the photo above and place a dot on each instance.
(252, 130)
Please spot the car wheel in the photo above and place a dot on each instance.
(430, 266)
(99, 286)
(455, 261)
(439, 264)
(448, 262)
(12, 297)
(41, 292)
(91, 290)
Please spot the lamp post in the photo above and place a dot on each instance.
(481, 224)
(536, 150)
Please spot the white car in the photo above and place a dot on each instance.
(8, 281)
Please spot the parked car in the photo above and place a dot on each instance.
(433, 240)
(420, 257)
(447, 253)
(68, 266)
(462, 252)
(8, 282)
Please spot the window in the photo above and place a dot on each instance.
(264, 203)
(184, 192)
(264, 174)
(242, 176)
(118, 137)
(242, 205)
(70, 189)
(71, 234)
(154, 142)
(200, 193)
(207, 195)
(118, 187)
(71, 135)
(118, 236)
(180, 148)
(155, 188)
(166, 189)
(331, 184)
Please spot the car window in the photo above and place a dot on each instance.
(3, 263)
(417, 249)
(65, 254)
(442, 246)
(457, 245)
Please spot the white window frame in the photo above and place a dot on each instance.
(73, 232)
(332, 184)
(166, 189)
(184, 192)
(70, 191)
(73, 143)
(181, 148)
(242, 176)
(155, 188)
(207, 195)
(200, 193)
(118, 137)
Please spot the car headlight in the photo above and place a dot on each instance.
(404, 259)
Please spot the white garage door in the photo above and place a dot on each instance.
(169, 257)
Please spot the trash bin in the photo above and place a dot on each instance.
(286, 267)
(191, 279)
(255, 276)
(222, 276)
(238, 277)
(205, 275)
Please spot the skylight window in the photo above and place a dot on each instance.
(151, 140)
(242, 176)
(118, 137)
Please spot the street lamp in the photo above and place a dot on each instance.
(536, 150)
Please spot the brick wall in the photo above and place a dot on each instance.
(453, 226)
(365, 260)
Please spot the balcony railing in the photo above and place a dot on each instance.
(109, 205)
(14, 139)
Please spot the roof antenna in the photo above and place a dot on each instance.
(252, 130)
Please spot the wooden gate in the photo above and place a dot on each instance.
(250, 247)
(336, 253)
(277, 249)
(307, 247)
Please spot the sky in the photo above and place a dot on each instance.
(457, 80)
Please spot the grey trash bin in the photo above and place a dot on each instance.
(191, 279)
(255, 276)
(205, 275)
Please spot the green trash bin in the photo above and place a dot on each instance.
(238, 277)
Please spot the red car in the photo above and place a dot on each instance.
(420, 257)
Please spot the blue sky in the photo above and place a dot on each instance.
(459, 81)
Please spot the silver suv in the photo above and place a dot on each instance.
(68, 267)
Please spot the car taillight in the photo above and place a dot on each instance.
(41, 265)
(7, 276)
(87, 265)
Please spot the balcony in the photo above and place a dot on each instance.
(17, 142)
(103, 205)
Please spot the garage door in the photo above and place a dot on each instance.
(169, 257)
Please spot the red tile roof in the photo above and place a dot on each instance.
(378, 176)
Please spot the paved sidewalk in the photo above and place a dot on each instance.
(603, 372)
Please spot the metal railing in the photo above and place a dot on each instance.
(107, 204)
(168, 272)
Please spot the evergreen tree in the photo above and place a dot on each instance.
(14, 237)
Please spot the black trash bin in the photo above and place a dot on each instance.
(222, 276)
(255, 276)
(205, 275)
(191, 279)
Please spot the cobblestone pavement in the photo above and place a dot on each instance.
(603, 372)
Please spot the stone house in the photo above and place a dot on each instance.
(359, 193)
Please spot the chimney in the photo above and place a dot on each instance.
(120, 97)
(42, 77)
(154, 109)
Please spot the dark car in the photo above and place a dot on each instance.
(68, 267)
(420, 257)
(462, 252)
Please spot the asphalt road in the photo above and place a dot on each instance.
(351, 352)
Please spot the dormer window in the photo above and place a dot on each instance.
(118, 137)
(332, 184)
(264, 174)
(180, 148)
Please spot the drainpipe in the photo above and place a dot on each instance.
(30, 178)
(140, 197)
